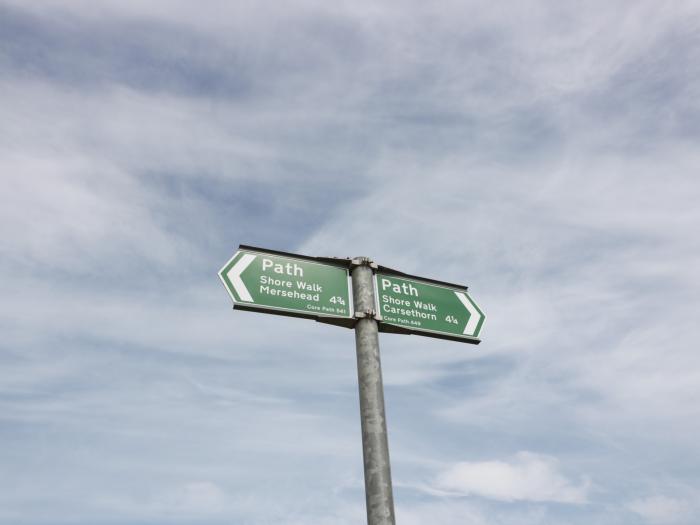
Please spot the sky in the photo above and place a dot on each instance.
(543, 153)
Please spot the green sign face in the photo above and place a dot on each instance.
(420, 306)
(268, 281)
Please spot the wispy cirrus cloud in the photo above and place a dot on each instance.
(662, 509)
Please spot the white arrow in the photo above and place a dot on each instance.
(474, 314)
(234, 276)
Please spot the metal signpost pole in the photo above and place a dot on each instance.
(274, 282)
(375, 447)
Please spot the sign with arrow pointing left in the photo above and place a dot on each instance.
(412, 305)
(287, 284)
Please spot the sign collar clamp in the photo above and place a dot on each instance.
(363, 261)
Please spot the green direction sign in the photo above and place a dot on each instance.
(425, 307)
(287, 284)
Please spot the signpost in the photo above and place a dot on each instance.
(379, 498)
(429, 308)
(382, 300)
(286, 284)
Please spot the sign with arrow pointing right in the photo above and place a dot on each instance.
(412, 305)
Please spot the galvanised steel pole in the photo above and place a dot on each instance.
(375, 447)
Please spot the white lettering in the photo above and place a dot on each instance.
(403, 288)
(283, 269)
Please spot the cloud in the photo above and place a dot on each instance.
(544, 155)
(463, 512)
(661, 510)
(200, 497)
(444, 513)
(526, 477)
